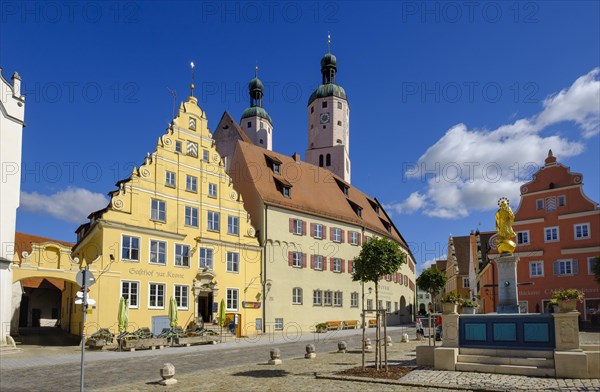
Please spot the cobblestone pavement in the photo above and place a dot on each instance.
(242, 365)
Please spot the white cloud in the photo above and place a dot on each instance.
(468, 169)
(71, 205)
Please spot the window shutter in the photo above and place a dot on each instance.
(312, 229)
(331, 264)
(324, 263)
(350, 266)
(556, 268)
(290, 258)
(342, 231)
(342, 263)
(291, 225)
(303, 260)
(575, 267)
(359, 239)
(312, 261)
(331, 232)
(303, 227)
(324, 232)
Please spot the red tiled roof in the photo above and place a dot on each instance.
(23, 242)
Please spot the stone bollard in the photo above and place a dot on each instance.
(167, 372)
(368, 344)
(405, 338)
(275, 357)
(388, 340)
(310, 351)
(342, 347)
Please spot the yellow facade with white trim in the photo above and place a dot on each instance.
(137, 245)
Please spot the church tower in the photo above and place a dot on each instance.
(255, 121)
(328, 122)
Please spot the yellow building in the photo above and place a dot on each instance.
(175, 228)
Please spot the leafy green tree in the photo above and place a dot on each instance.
(596, 269)
(432, 280)
(378, 257)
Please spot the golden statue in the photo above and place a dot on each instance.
(504, 221)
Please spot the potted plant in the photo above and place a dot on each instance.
(567, 299)
(450, 302)
(320, 328)
(469, 307)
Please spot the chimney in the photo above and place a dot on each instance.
(296, 157)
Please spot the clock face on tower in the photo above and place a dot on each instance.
(325, 118)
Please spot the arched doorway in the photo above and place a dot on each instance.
(404, 313)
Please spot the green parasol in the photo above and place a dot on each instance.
(173, 312)
(222, 313)
(122, 317)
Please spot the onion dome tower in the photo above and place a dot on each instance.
(255, 120)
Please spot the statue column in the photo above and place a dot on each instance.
(508, 296)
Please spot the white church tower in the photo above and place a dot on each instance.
(329, 122)
(255, 121)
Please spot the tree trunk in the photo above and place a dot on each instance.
(377, 334)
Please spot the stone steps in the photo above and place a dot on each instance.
(506, 361)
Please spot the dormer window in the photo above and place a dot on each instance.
(375, 205)
(286, 191)
(283, 186)
(276, 168)
(343, 186)
(387, 225)
(274, 163)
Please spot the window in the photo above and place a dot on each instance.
(213, 221)
(590, 264)
(192, 124)
(551, 204)
(232, 299)
(296, 296)
(336, 235)
(205, 155)
(337, 298)
(327, 298)
(354, 238)
(206, 258)
(318, 262)
(317, 297)
(191, 216)
(170, 179)
(156, 296)
(191, 183)
(158, 210)
(312, 109)
(539, 204)
(130, 291)
(297, 259)
(388, 306)
(354, 300)
(582, 231)
(318, 230)
(551, 234)
(388, 277)
(276, 168)
(233, 225)
(536, 269)
(565, 267)
(192, 149)
(369, 304)
(249, 125)
(466, 283)
(298, 226)
(328, 160)
(286, 191)
(178, 147)
(523, 237)
(130, 248)
(278, 324)
(182, 255)
(339, 105)
(339, 123)
(324, 104)
(233, 262)
(181, 296)
(321, 160)
(562, 201)
(212, 190)
(337, 264)
(380, 305)
(158, 252)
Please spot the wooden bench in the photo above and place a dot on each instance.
(372, 323)
(333, 325)
(350, 324)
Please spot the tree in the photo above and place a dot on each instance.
(596, 269)
(378, 257)
(433, 281)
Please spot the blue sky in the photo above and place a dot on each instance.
(453, 104)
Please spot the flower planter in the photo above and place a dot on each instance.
(565, 306)
(469, 310)
(449, 308)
